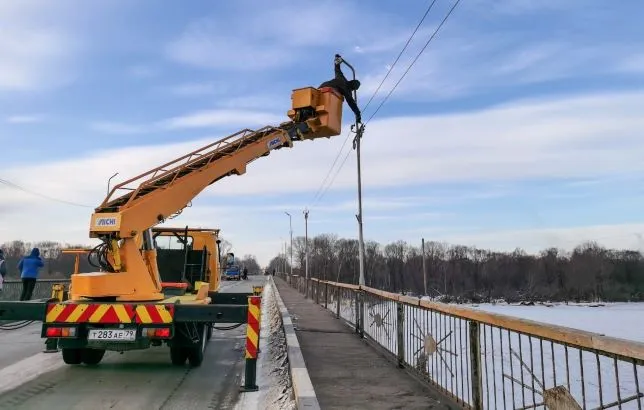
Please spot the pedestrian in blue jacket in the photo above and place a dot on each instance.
(29, 267)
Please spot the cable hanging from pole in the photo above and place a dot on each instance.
(431, 38)
(317, 195)
(18, 187)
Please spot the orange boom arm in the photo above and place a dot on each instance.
(123, 222)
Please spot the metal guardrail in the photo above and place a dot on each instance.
(13, 288)
(486, 360)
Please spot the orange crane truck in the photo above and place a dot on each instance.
(141, 295)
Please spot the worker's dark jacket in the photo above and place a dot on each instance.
(341, 84)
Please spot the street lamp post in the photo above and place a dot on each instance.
(306, 250)
(359, 129)
(290, 225)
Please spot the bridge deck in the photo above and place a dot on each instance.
(347, 373)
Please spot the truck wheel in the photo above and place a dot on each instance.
(72, 355)
(178, 355)
(209, 331)
(92, 356)
(195, 353)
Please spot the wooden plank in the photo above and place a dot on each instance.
(381, 293)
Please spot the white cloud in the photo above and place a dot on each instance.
(24, 119)
(516, 7)
(41, 40)
(218, 42)
(214, 118)
(590, 137)
(142, 71)
(217, 118)
(501, 62)
(520, 43)
(31, 58)
(633, 64)
(200, 88)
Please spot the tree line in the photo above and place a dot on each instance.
(459, 273)
(59, 265)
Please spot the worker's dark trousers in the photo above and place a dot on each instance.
(28, 285)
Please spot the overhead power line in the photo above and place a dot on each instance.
(62, 201)
(400, 54)
(344, 160)
(391, 67)
(422, 50)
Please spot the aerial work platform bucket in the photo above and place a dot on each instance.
(324, 104)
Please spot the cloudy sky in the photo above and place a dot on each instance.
(520, 125)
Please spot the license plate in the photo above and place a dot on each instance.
(126, 335)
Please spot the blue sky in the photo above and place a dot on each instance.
(519, 126)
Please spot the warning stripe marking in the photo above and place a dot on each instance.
(109, 313)
(252, 328)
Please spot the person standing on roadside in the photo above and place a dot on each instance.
(29, 266)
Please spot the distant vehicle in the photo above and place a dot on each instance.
(232, 271)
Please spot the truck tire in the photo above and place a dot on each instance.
(72, 355)
(178, 355)
(195, 352)
(92, 356)
(209, 331)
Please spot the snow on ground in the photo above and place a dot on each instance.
(438, 346)
(273, 376)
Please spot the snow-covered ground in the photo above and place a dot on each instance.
(622, 320)
(438, 346)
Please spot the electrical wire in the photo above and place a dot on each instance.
(15, 186)
(319, 196)
(400, 54)
(344, 160)
(422, 50)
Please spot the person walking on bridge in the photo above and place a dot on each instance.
(29, 267)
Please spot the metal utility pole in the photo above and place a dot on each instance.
(359, 129)
(424, 270)
(290, 226)
(306, 250)
(361, 252)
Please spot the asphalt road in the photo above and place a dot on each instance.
(143, 379)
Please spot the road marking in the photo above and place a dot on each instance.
(28, 369)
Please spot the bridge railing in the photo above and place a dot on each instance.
(486, 360)
(12, 288)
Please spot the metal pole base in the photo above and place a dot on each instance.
(250, 376)
(51, 346)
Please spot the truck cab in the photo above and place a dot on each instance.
(187, 255)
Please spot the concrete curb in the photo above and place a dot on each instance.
(305, 396)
